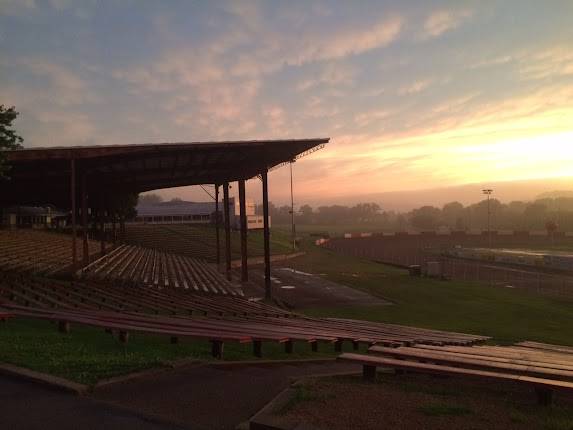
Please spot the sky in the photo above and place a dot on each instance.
(413, 94)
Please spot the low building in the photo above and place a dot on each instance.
(33, 217)
(184, 212)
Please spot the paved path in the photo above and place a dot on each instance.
(305, 290)
(211, 397)
(28, 406)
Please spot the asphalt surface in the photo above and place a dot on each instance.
(29, 406)
(208, 397)
(305, 290)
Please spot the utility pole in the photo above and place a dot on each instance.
(292, 211)
(488, 192)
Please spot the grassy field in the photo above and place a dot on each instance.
(508, 315)
(88, 354)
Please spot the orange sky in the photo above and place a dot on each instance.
(413, 96)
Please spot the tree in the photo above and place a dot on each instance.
(425, 218)
(452, 215)
(305, 212)
(9, 140)
(149, 199)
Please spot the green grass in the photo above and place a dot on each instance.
(508, 315)
(88, 354)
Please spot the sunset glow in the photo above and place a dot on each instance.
(413, 96)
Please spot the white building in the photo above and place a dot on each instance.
(183, 212)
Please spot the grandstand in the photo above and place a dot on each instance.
(39, 252)
(143, 288)
(198, 241)
(135, 265)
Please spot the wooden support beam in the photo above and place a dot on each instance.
(314, 346)
(338, 346)
(544, 396)
(258, 348)
(102, 223)
(217, 349)
(243, 218)
(227, 230)
(369, 372)
(63, 326)
(289, 346)
(266, 235)
(123, 336)
(217, 224)
(84, 191)
(74, 209)
(355, 345)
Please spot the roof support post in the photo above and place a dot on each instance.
(217, 222)
(101, 214)
(266, 235)
(243, 216)
(73, 205)
(227, 230)
(84, 191)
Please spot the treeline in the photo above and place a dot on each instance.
(552, 213)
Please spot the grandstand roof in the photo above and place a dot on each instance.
(40, 175)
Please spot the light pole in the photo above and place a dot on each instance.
(292, 211)
(488, 192)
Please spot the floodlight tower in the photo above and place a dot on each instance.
(488, 193)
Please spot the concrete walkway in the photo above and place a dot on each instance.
(208, 397)
(29, 406)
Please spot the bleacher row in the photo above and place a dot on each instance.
(38, 252)
(34, 291)
(545, 367)
(181, 313)
(188, 240)
(135, 265)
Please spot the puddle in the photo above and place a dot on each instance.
(298, 272)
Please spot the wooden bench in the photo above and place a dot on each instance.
(4, 316)
(543, 387)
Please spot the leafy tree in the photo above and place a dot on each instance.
(425, 218)
(149, 199)
(9, 140)
(452, 214)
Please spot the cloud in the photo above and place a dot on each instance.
(349, 42)
(553, 62)
(415, 87)
(442, 21)
(333, 74)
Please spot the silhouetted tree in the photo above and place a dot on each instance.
(9, 139)
(149, 199)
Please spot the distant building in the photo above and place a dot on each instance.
(183, 212)
(33, 217)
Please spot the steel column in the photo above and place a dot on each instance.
(243, 215)
(73, 204)
(266, 235)
(227, 229)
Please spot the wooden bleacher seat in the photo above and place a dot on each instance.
(544, 386)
